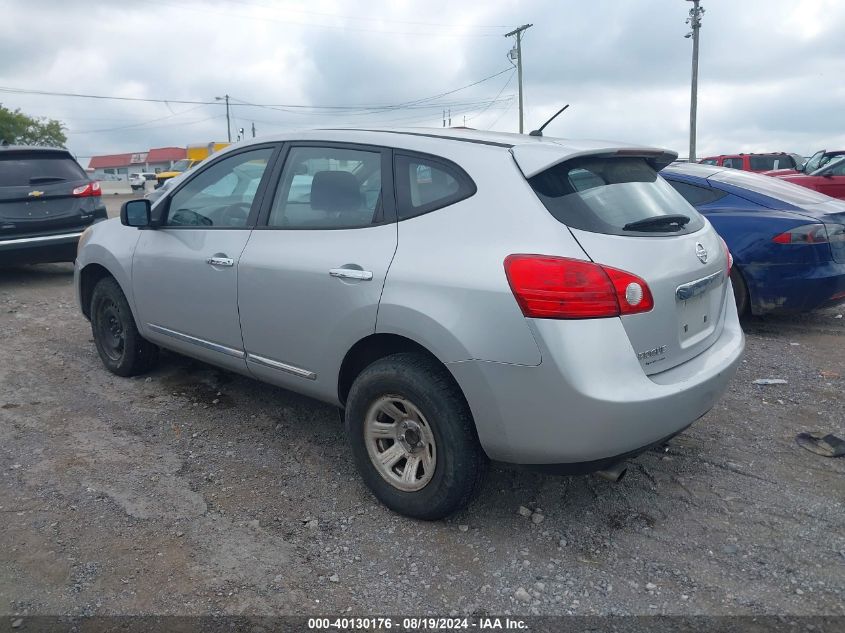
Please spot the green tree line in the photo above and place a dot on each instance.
(16, 128)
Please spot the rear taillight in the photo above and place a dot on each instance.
(86, 191)
(730, 257)
(805, 234)
(547, 287)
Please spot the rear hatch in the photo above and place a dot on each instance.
(37, 193)
(624, 215)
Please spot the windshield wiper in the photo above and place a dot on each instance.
(38, 180)
(658, 223)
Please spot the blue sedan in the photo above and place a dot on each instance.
(788, 242)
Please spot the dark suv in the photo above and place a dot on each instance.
(46, 202)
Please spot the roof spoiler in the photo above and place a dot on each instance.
(533, 159)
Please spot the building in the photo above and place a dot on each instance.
(120, 166)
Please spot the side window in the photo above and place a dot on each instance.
(734, 163)
(328, 188)
(708, 161)
(824, 160)
(815, 162)
(222, 195)
(424, 184)
(837, 168)
(696, 195)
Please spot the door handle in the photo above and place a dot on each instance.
(351, 273)
(220, 261)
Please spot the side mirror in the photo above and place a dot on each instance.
(135, 213)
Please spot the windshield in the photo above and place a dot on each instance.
(604, 195)
(181, 165)
(772, 161)
(771, 186)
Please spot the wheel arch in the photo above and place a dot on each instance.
(89, 276)
(374, 347)
(750, 298)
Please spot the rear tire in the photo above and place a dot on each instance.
(740, 293)
(413, 437)
(121, 348)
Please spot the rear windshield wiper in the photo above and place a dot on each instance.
(658, 223)
(40, 180)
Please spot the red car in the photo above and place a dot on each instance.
(755, 162)
(829, 179)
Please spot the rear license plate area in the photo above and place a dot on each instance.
(695, 316)
(697, 305)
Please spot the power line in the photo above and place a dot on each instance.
(156, 127)
(363, 109)
(46, 93)
(504, 112)
(143, 123)
(509, 79)
(206, 11)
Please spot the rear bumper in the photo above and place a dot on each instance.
(40, 249)
(792, 288)
(589, 400)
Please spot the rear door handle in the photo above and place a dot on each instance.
(351, 273)
(220, 261)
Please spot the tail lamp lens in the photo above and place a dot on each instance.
(88, 190)
(730, 257)
(548, 287)
(805, 234)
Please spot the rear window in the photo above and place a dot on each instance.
(23, 169)
(603, 195)
(772, 187)
(765, 163)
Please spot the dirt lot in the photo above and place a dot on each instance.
(196, 491)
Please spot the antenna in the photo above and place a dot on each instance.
(543, 127)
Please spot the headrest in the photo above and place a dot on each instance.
(335, 191)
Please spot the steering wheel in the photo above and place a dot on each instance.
(235, 214)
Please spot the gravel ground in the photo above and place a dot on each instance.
(197, 491)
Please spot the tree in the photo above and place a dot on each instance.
(16, 128)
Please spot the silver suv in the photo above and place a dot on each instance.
(463, 296)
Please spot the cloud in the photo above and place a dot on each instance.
(770, 70)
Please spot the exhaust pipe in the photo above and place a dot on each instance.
(614, 472)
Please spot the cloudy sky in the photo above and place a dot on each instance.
(770, 75)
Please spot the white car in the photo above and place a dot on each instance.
(138, 181)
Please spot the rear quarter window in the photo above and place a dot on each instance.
(696, 195)
(23, 169)
(427, 183)
(603, 195)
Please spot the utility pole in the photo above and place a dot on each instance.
(518, 32)
(228, 125)
(694, 20)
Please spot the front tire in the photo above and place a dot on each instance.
(121, 348)
(413, 438)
